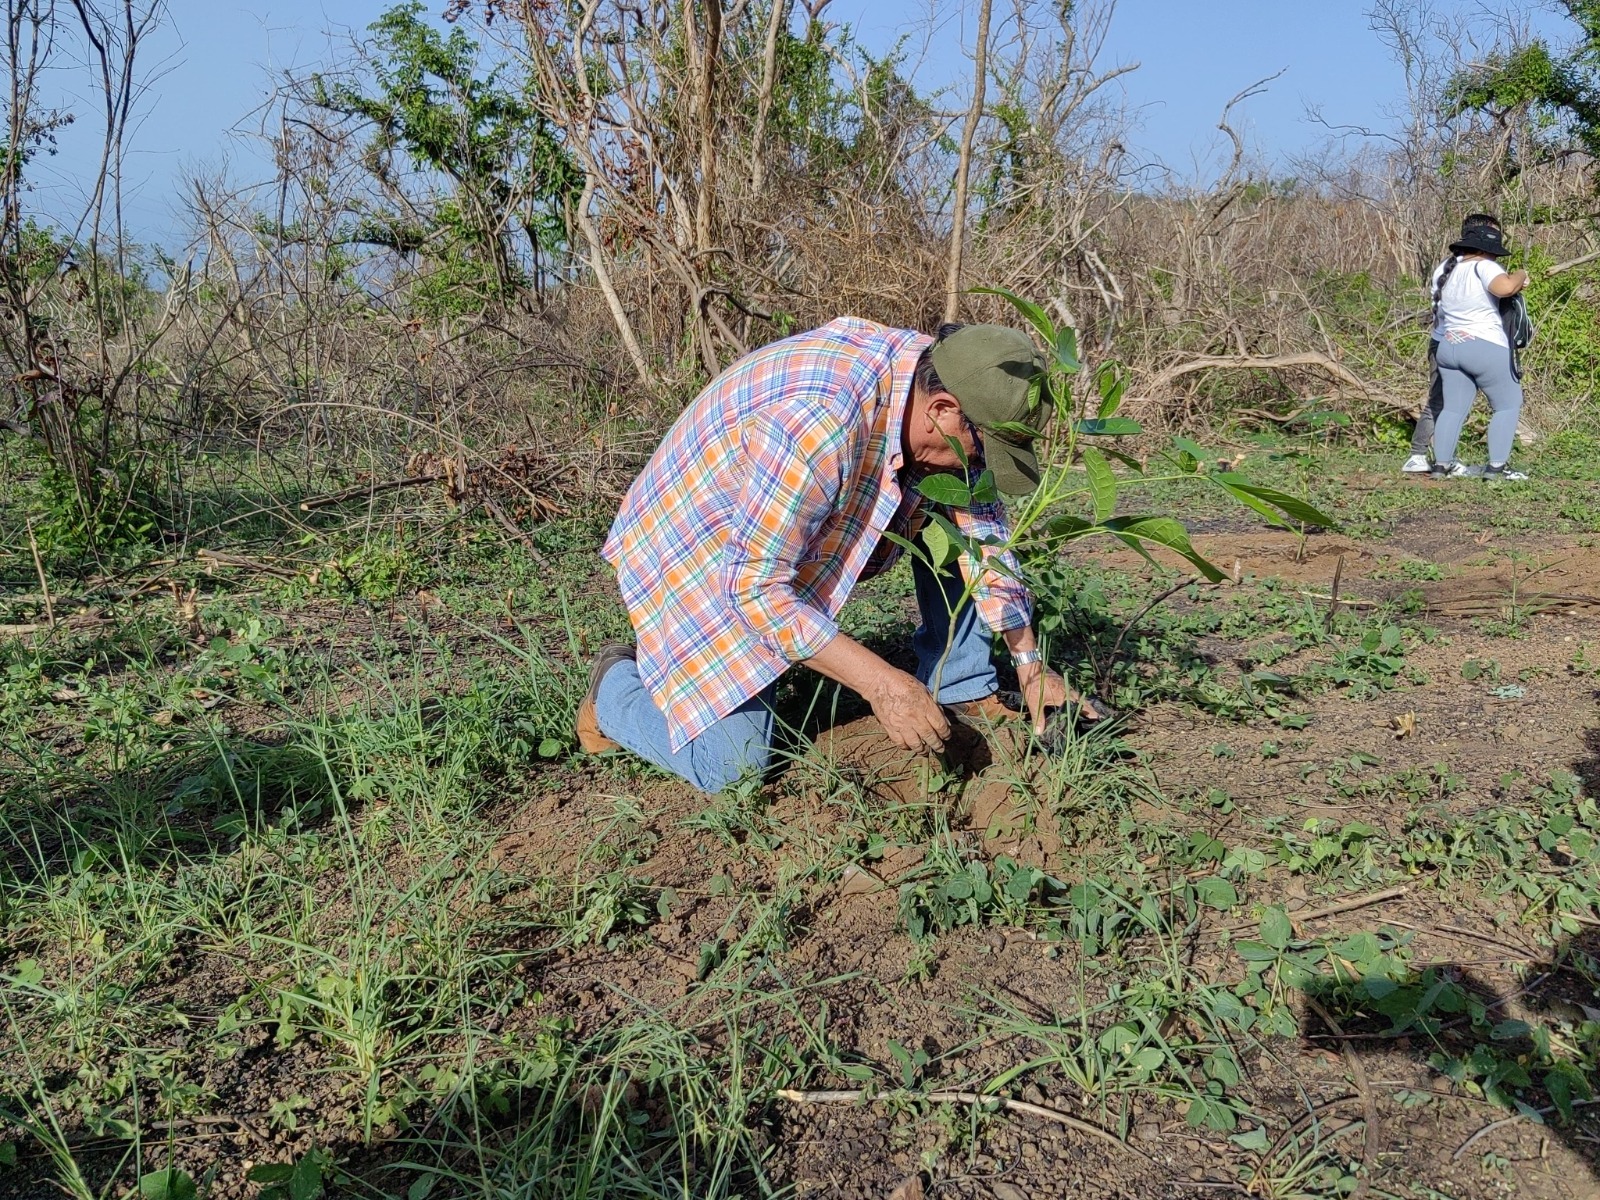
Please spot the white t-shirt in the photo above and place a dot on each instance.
(1467, 308)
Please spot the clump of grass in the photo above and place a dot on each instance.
(657, 1102)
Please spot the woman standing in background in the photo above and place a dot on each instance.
(1422, 436)
(1474, 352)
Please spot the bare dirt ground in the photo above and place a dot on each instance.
(1423, 1131)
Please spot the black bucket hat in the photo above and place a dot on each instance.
(1482, 240)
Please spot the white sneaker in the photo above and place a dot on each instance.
(1456, 470)
(1417, 464)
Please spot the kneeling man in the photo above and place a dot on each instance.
(764, 506)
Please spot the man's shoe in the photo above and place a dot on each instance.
(1455, 470)
(589, 736)
(991, 709)
(1417, 464)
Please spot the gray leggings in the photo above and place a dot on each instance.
(1465, 369)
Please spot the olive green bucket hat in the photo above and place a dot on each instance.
(997, 376)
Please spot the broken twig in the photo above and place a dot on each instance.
(1511, 1120)
(311, 504)
(221, 558)
(38, 565)
(1100, 684)
(1333, 910)
(1333, 598)
(510, 527)
(1358, 1076)
(85, 620)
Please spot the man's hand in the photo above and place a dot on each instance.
(903, 706)
(908, 713)
(1044, 690)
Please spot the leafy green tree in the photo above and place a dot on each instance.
(507, 167)
(1558, 90)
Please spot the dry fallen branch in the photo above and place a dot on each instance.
(248, 1124)
(1344, 601)
(1581, 260)
(1333, 910)
(1163, 381)
(365, 490)
(515, 470)
(1511, 1120)
(1016, 1106)
(38, 566)
(1502, 942)
(510, 526)
(219, 558)
(1358, 1076)
(87, 620)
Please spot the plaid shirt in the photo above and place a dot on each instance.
(740, 541)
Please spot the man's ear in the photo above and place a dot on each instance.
(941, 404)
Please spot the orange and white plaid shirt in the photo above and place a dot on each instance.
(739, 543)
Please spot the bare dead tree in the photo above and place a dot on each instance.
(705, 52)
(777, 16)
(569, 101)
(969, 132)
(50, 282)
(32, 31)
(1058, 176)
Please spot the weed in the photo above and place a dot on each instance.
(1374, 664)
(1164, 1036)
(1413, 570)
(737, 817)
(951, 889)
(645, 1106)
(1584, 661)
(1301, 1166)
(303, 1179)
(1329, 848)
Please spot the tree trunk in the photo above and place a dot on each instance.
(705, 114)
(769, 83)
(958, 223)
(602, 276)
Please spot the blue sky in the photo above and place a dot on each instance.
(218, 60)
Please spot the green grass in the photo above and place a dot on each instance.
(1561, 496)
(255, 872)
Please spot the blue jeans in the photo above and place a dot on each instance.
(741, 743)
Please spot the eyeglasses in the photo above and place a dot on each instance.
(976, 458)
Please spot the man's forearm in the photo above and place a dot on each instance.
(1031, 677)
(1035, 679)
(907, 710)
(1020, 640)
(845, 660)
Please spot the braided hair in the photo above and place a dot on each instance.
(1450, 265)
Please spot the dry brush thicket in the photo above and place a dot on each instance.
(636, 195)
